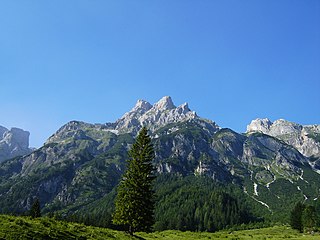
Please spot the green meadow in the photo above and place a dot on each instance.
(47, 228)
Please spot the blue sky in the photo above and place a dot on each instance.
(91, 60)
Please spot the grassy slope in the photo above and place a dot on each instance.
(46, 228)
(282, 232)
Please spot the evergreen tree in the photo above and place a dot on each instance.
(134, 204)
(317, 209)
(35, 211)
(309, 218)
(296, 217)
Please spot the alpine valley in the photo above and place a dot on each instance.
(208, 177)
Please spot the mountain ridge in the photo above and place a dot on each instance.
(82, 162)
(305, 138)
(153, 116)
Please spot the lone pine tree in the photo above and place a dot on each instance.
(134, 204)
(35, 210)
(296, 217)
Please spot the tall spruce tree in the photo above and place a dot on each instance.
(309, 218)
(35, 210)
(296, 217)
(134, 204)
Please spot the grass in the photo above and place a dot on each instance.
(46, 228)
(278, 232)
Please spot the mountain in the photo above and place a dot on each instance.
(77, 169)
(13, 143)
(306, 139)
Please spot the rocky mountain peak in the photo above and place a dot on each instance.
(143, 113)
(183, 108)
(17, 136)
(259, 125)
(303, 138)
(164, 103)
(154, 116)
(282, 126)
(13, 143)
(276, 128)
(142, 106)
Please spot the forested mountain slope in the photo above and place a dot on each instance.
(77, 169)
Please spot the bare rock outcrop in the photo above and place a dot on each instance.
(14, 142)
(305, 138)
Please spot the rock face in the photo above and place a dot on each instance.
(14, 142)
(304, 138)
(259, 125)
(154, 117)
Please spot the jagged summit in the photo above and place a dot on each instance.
(164, 103)
(184, 108)
(13, 142)
(276, 128)
(141, 105)
(155, 116)
(304, 138)
(259, 125)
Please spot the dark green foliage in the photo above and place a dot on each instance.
(281, 197)
(134, 203)
(198, 204)
(184, 203)
(317, 209)
(309, 218)
(97, 213)
(296, 217)
(35, 210)
(304, 217)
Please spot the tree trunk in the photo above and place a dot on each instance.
(131, 230)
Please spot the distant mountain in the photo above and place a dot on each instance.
(273, 165)
(13, 143)
(160, 114)
(306, 139)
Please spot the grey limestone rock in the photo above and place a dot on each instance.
(306, 138)
(14, 142)
(259, 125)
(2, 131)
(154, 116)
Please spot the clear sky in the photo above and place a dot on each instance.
(91, 60)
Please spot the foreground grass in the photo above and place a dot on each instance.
(278, 232)
(47, 228)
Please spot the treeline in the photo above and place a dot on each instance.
(195, 203)
(305, 217)
(182, 203)
(198, 204)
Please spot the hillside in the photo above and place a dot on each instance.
(77, 169)
(47, 228)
